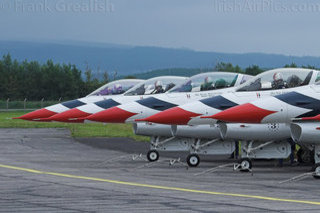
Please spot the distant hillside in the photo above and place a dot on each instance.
(128, 60)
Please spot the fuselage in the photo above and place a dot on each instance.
(191, 113)
(190, 91)
(152, 87)
(302, 102)
(115, 88)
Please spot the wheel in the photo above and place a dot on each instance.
(304, 156)
(317, 171)
(245, 165)
(153, 155)
(193, 160)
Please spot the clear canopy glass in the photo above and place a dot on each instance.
(207, 81)
(278, 79)
(156, 85)
(318, 78)
(116, 87)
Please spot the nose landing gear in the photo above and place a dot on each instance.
(245, 165)
(153, 155)
(193, 160)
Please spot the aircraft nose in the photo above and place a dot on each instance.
(314, 118)
(246, 113)
(112, 115)
(71, 115)
(175, 115)
(35, 115)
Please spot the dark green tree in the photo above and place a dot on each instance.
(253, 70)
(227, 67)
(293, 65)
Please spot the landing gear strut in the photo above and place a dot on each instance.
(208, 147)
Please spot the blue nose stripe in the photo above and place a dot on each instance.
(218, 102)
(299, 100)
(156, 104)
(106, 104)
(73, 104)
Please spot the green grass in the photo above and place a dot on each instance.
(77, 130)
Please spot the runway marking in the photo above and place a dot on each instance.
(158, 186)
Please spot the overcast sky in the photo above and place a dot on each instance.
(288, 27)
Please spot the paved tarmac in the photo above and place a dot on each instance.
(46, 170)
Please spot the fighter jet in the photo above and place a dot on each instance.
(301, 106)
(114, 88)
(303, 102)
(151, 87)
(197, 87)
(270, 83)
(297, 111)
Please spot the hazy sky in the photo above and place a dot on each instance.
(290, 27)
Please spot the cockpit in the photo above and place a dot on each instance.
(278, 79)
(317, 78)
(210, 81)
(156, 85)
(116, 87)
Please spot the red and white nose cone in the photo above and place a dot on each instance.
(246, 113)
(112, 115)
(175, 115)
(314, 118)
(35, 115)
(71, 115)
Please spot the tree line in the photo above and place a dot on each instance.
(52, 81)
(254, 69)
(35, 81)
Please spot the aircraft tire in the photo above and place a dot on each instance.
(317, 171)
(245, 165)
(304, 156)
(193, 160)
(153, 155)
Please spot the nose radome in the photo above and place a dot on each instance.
(69, 116)
(33, 116)
(314, 118)
(174, 116)
(112, 115)
(246, 113)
